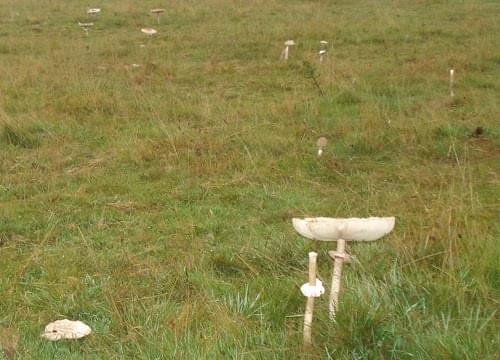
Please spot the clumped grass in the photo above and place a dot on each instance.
(155, 202)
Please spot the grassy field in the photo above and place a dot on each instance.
(154, 203)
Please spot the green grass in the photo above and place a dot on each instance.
(155, 203)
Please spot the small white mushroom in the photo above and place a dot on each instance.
(93, 11)
(452, 81)
(313, 288)
(321, 144)
(284, 53)
(322, 54)
(86, 27)
(149, 31)
(157, 12)
(66, 329)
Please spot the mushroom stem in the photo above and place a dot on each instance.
(321, 58)
(308, 315)
(158, 18)
(336, 277)
(452, 80)
(285, 53)
(320, 151)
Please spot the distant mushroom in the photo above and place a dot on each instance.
(323, 43)
(284, 53)
(149, 31)
(322, 54)
(452, 81)
(93, 12)
(86, 27)
(158, 12)
(321, 143)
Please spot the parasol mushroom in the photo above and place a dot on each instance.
(321, 143)
(158, 12)
(149, 31)
(93, 11)
(313, 288)
(86, 27)
(284, 53)
(342, 230)
(66, 329)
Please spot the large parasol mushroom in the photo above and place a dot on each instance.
(342, 230)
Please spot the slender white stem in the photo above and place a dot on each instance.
(336, 278)
(308, 315)
(452, 81)
(320, 151)
(285, 56)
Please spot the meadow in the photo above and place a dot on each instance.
(154, 203)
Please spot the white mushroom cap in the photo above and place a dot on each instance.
(85, 24)
(149, 31)
(157, 11)
(352, 229)
(66, 329)
(289, 43)
(322, 52)
(322, 142)
(323, 42)
(93, 11)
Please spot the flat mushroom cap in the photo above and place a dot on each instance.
(289, 43)
(352, 229)
(322, 52)
(157, 11)
(85, 24)
(323, 42)
(93, 11)
(149, 31)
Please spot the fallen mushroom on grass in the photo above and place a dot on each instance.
(93, 11)
(149, 31)
(66, 329)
